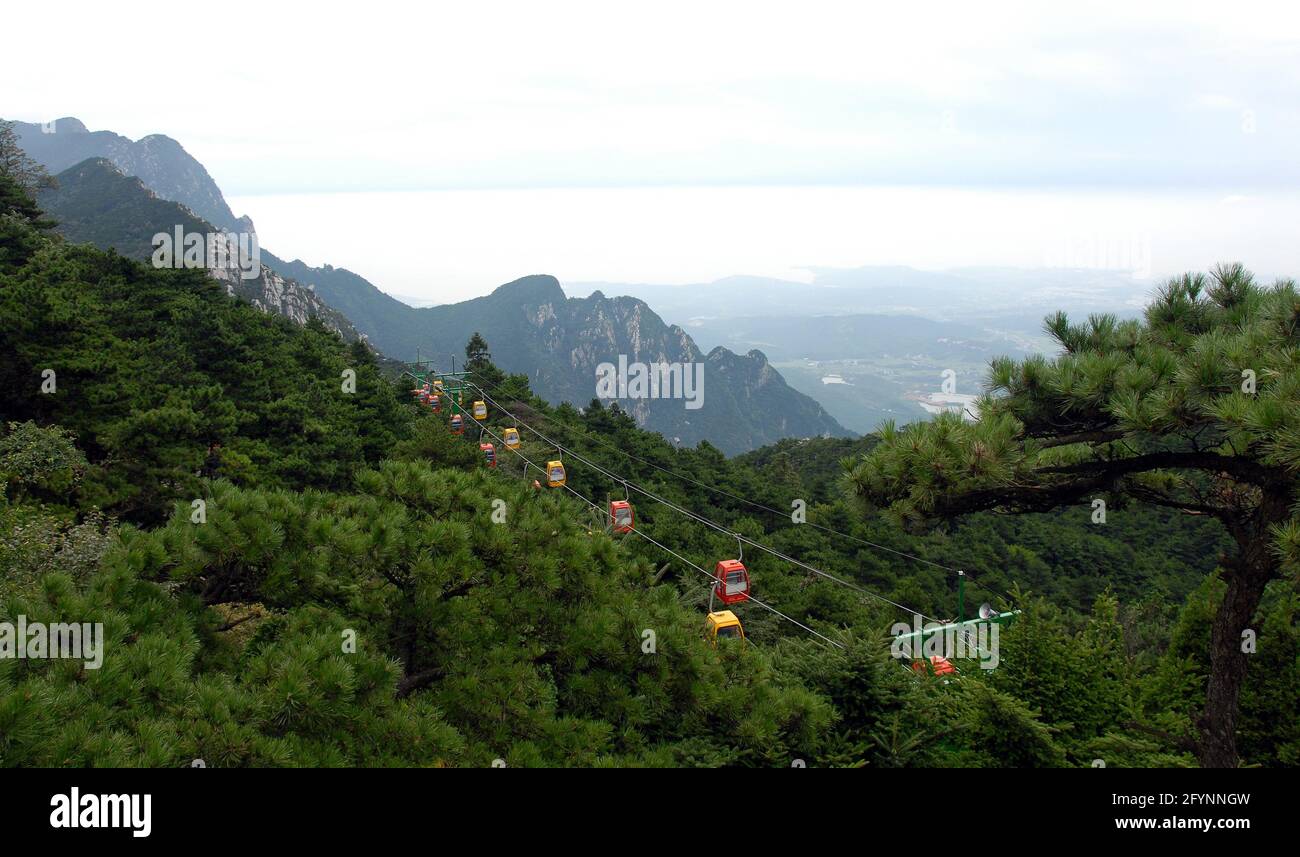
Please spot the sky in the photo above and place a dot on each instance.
(289, 105)
(463, 243)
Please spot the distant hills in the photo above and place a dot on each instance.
(963, 294)
(859, 336)
(121, 193)
(870, 344)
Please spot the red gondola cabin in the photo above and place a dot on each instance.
(733, 581)
(939, 665)
(621, 517)
(457, 424)
(489, 454)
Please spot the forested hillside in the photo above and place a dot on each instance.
(356, 587)
(153, 368)
(93, 202)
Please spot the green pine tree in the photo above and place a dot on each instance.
(1195, 408)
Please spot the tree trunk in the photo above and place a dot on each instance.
(1218, 722)
(1246, 576)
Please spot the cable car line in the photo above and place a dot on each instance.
(896, 552)
(749, 598)
(739, 537)
(710, 575)
(752, 503)
(702, 570)
(769, 509)
(718, 577)
(701, 519)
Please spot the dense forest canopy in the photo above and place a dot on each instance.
(293, 573)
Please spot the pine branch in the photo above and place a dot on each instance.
(414, 682)
(1242, 469)
(1095, 436)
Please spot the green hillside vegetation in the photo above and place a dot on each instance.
(347, 595)
(94, 203)
(153, 370)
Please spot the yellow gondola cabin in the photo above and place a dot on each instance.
(511, 438)
(555, 474)
(724, 625)
(480, 410)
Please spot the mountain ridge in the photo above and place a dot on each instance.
(161, 162)
(533, 328)
(96, 203)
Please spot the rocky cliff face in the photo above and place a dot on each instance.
(561, 343)
(278, 295)
(95, 203)
(159, 161)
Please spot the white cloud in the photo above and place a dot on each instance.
(382, 96)
(385, 95)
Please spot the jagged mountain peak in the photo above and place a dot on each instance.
(540, 288)
(559, 342)
(69, 125)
